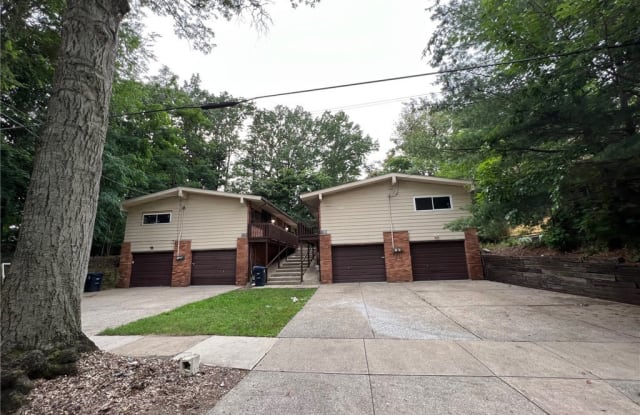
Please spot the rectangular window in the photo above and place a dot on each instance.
(154, 218)
(432, 202)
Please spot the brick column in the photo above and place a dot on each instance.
(124, 269)
(397, 264)
(472, 252)
(326, 261)
(181, 271)
(242, 261)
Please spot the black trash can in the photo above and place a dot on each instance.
(259, 274)
(93, 282)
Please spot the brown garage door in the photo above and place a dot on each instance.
(438, 261)
(358, 263)
(151, 269)
(213, 267)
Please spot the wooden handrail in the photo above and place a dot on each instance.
(308, 257)
(277, 257)
(271, 232)
(305, 229)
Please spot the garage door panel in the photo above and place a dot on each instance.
(151, 269)
(358, 263)
(438, 261)
(216, 267)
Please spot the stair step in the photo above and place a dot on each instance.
(289, 271)
(297, 282)
(284, 277)
(276, 276)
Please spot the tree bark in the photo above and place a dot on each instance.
(42, 292)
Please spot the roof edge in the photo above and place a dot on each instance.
(392, 176)
(181, 189)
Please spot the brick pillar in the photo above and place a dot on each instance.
(326, 261)
(181, 271)
(472, 251)
(124, 270)
(397, 264)
(242, 261)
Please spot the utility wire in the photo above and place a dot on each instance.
(22, 126)
(4, 114)
(22, 114)
(227, 104)
(369, 103)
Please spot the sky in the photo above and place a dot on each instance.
(335, 42)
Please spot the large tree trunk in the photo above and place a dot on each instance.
(42, 292)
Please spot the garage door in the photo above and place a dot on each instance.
(438, 261)
(361, 263)
(213, 267)
(151, 269)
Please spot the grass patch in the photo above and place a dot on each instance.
(245, 312)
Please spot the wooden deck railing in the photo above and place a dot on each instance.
(307, 232)
(271, 232)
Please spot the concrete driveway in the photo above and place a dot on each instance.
(113, 308)
(454, 347)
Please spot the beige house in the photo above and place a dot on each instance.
(391, 228)
(184, 236)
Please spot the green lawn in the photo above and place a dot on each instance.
(245, 312)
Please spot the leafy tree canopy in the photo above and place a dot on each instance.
(288, 152)
(551, 138)
(143, 153)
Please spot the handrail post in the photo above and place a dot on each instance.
(301, 261)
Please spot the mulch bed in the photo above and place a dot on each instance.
(111, 384)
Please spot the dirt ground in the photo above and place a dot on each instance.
(619, 256)
(110, 384)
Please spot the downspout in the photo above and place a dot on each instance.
(181, 208)
(392, 193)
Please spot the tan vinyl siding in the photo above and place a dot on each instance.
(361, 215)
(208, 222)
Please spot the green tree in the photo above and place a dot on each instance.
(288, 152)
(530, 129)
(145, 153)
(42, 292)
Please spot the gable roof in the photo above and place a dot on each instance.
(312, 199)
(184, 191)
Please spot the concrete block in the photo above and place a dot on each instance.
(189, 363)
(232, 351)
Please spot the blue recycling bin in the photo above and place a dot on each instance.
(93, 282)
(259, 274)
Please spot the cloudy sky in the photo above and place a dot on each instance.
(335, 42)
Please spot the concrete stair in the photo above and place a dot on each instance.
(289, 271)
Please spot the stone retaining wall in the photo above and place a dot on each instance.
(107, 265)
(606, 280)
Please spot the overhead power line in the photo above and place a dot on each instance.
(227, 104)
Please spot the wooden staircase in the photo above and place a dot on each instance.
(289, 271)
